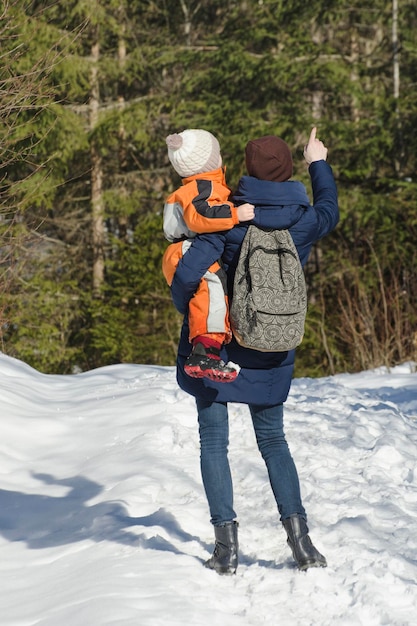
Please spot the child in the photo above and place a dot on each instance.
(201, 205)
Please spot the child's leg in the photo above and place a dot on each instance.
(172, 256)
(208, 317)
(208, 308)
(210, 329)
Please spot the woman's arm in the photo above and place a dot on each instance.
(205, 250)
(325, 200)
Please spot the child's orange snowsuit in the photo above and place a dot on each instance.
(200, 205)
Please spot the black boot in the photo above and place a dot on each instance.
(303, 551)
(225, 556)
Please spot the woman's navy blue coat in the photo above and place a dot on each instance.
(265, 378)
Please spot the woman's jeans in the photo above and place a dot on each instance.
(214, 440)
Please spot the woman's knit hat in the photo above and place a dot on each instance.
(269, 158)
(193, 151)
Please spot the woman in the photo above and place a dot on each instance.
(264, 379)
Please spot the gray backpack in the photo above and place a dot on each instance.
(269, 303)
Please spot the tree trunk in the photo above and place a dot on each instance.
(396, 89)
(121, 56)
(97, 205)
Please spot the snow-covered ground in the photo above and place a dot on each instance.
(103, 519)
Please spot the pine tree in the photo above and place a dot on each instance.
(87, 169)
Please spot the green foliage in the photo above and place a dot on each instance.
(134, 320)
(38, 334)
(239, 69)
(367, 296)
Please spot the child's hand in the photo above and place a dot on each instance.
(245, 212)
(315, 150)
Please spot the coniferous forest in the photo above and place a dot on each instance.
(89, 89)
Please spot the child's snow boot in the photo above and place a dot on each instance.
(224, 559)
(303, 550)
(205, 362)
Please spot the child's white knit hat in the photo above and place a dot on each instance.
(193, 151)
